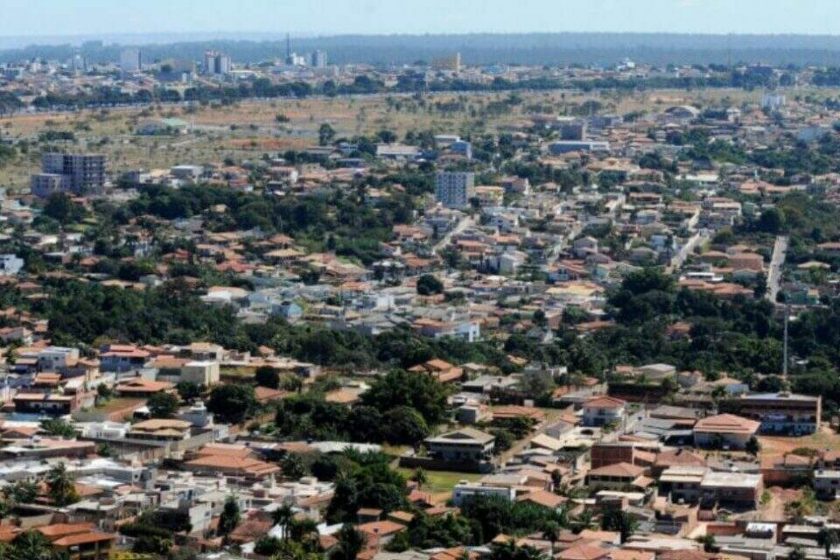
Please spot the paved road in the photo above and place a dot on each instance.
(697, 239)
(465, 222)
(774, 274)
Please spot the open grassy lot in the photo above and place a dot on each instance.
(439, 482)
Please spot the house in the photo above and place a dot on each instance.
(242, 467)
(603, 411)
(827, 483)
(143, 388)
(122, 357)
(779, 413)
(79, 541)
(45, 403)
(440, 370)
(464, 491)
(733, 489)
(617, 477)
(725, 431)
(160, 429)
(682, 483)
(464, 445)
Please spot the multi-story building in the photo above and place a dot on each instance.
(74, 173)
(130, 60)
(318, 59)
(455, 189)
(217, 64)
(779, 413)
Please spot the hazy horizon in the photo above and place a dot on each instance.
(44, 19)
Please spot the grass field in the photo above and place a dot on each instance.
(439, 482)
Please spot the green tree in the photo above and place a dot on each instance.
(326, 134)
(620, 521)
(232, 403)
(62, 491)
(828, 539)
(402, 388)
(753, 447)
(230, 516)
(32, 545)
(58, 427)
(350, 543)
(428, 284)
(188, 391)
(162, 405)
(404, 425)
(267, 376)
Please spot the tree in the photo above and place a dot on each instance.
(188, 391)
(402, 388)
(404, 424)
(62, 491)
(230, 516)
(771, 220)
(326, 134)
(32, 545)
(162, 405)
(551, 533)
(21, 492)
(753, 447)
(419, 476)
(428, 284)
(293, 467)
(232, 403)
(267, 376)
(621, 521)
(798, 553)
(350, 543)
(283, 516)
(58, 427)
(709, 543)
(828, 538)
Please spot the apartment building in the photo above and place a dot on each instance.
(455, 189)
(72, 173)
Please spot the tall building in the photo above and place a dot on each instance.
(130, 60)
(318, 59)
(217, 64)
(73, 173)
(454, 189)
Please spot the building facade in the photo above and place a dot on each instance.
(454, 189)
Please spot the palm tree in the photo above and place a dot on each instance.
(551, 533)
(62, 490)
(302, 531)
(350, 543)
(584, 520)
(31, 545)
(618, 520)
(419, 476)
(283, 517)
(828, 538)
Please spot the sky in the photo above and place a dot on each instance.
(39, 18)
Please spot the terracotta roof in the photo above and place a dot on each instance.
(726, 424)
(625, 470)
(604, 402)
(543, 498)
(380, 528)
(583, 552)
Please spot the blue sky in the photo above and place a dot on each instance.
(88, 17)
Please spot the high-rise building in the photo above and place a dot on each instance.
(74, 173)
(217, 64)
(318, 59)
(130, 60)
(454, 189)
